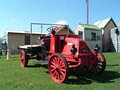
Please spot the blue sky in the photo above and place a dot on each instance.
(18, 14)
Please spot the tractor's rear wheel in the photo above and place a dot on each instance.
(23, 58)
(58, 68)
(99, 67)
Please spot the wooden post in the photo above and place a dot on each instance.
(87, 1)
(8, 54)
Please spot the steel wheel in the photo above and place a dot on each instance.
(58, 68)
(99, 67)
(23, 59)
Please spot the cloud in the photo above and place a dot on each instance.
(61, 22)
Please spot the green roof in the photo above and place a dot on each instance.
(90, 26)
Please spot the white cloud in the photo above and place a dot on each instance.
(61, 22)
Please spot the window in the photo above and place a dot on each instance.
(93, 36)
(80, 33)
(98, 37)
(27, 40)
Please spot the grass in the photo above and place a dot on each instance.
(14, 77)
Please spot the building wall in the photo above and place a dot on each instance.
(17, 39)
(115, 40)
(106, 36)
(92, 43)
(79, 28)
(119, 39)
(87, 37)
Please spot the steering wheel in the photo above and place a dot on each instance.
(50, 29)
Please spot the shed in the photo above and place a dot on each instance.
(115, 39)
(91, 34)
(19, 38)
(106, 25)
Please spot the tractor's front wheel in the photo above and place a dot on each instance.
(58, 68)
(99, 67)
(23, 59)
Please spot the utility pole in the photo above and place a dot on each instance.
(87, 1)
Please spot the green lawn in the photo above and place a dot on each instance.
(14, 77)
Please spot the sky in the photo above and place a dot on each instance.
(18, 14)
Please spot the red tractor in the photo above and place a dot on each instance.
(64, 53)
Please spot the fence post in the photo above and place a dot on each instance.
(8, 54)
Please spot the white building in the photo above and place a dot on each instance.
(19, 38)
(91, 34)
(106, 25)
(115, 39)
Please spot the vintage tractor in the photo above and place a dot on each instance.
(64, 53)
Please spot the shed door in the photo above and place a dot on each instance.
(80, 33)
(27, 40)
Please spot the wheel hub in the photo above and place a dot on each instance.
(57, 68)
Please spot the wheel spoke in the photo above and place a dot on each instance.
(54, 73)
(55, 60)
(62, 67)
(52, 70)
(53, 63)
(98, 68)
(62, 63)
(57, 75)
(99, 65)
(63, 70)
(52, 66)
(58, 61)
(61, 76)
(62, 73)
